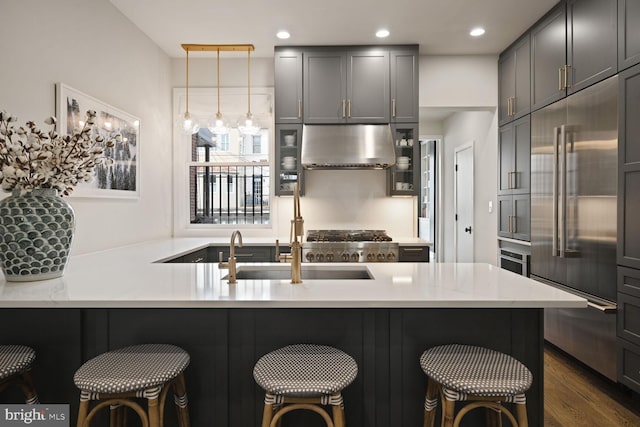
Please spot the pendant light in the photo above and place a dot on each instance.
(219, 125)
(249, 126)
(188, 124)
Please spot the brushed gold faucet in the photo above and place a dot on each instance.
(231, 264)
(297, 232)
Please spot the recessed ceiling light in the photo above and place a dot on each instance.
(283, 34)
(476, 32)
(382, 33)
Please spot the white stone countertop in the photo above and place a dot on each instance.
(129, 277)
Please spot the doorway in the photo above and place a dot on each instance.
(463, 203)
(429, 213)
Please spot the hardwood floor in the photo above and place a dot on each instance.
(576, 396)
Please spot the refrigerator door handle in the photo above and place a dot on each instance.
(554, 225)
(605, 308)
(562, 220)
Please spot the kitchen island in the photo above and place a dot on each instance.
(124, 296)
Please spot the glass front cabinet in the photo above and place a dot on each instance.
(403, 178)
(288, 168)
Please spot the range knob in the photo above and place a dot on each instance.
(329, 257)
(380, 257)
(354, 257)
(391, 256)
(310, 256)
(345, 257)
(320, 258)
(371, 257)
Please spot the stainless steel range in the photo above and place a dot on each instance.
(349, 246)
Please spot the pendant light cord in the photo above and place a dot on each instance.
(249, 82)
(218, 64)
(187, 78)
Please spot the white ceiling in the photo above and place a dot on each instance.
(440, 27)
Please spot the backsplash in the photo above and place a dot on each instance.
(350, 199)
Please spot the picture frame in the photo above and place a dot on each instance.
(121, 178)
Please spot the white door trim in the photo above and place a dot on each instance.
(455, 197)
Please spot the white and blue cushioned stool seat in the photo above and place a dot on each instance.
(15, 359)
(131, 368)
(305, 370)
(477, 371)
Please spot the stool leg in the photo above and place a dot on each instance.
(338, 415)
(494, 417)
(430, 402)
(448, 412)
(521, 415)
(30, 395)
(83, 410)
(154, 412)
(267, 414)
(180, 397)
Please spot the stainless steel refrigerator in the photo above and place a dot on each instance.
(574, 149)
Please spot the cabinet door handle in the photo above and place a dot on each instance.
(514, 224)
(566, 76)
(509, 228)
(509, 107)
(560, 74)
(344, 109)
(513, 105)
(393, 108)
(412, 249)
(299, 108)
(349, 108)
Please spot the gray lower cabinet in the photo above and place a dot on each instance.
(514, 216)
(346, 86)
(243, 254)
(514, 77)
(288, 85)
(574, 46)
(404, 85)
(628, 33)
(629, 168)
(514, 157)
(628, 325)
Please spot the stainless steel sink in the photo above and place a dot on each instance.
(283, 272)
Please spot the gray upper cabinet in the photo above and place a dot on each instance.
(514, 157)
(346, 86)
(325, 86)
(514, 91)
(368, 86)
(572, 47)
(404, 86)
(288, 85)
(591, 42)
(628, 33)
(548, 58)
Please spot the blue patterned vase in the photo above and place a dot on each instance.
(36, 230)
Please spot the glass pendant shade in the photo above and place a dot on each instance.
(189, 126)
(248, 125)
(219, 126)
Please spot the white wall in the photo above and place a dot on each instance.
(460, 129)
(466, 86)
(92, 47)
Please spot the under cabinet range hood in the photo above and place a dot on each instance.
(347, 147)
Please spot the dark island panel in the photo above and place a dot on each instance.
(224, 345)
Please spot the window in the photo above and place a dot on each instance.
(229, 174)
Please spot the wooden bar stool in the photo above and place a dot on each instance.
(15, 369)
(483, 377)
(304, 376)
(119, 377)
